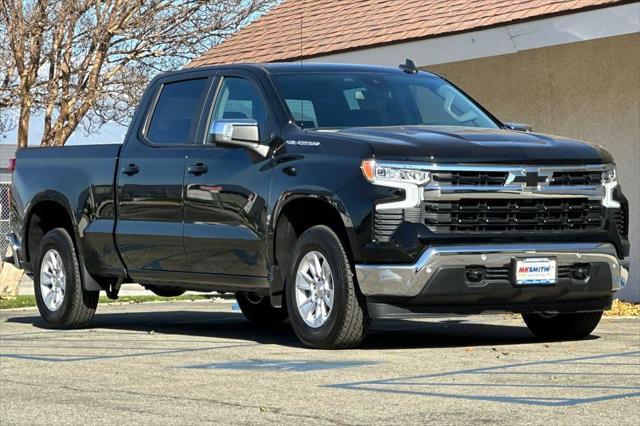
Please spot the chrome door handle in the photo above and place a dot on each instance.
(198, 169)
(131, 170)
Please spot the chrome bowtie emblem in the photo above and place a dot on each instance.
(528, 178)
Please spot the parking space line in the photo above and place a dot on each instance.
(415, 385)
(74, 358)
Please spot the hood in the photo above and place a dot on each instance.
(447, 144)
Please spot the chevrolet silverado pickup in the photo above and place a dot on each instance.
(329, 195)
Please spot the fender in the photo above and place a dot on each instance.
(44, 196)
(310, 192)
(88, 282)
(276, 276)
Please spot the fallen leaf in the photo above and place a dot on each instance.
(620, 308)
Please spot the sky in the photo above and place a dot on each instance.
(109, 133)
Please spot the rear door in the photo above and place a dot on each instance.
(226, 188)
(150, 180)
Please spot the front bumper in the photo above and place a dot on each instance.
(440, 275)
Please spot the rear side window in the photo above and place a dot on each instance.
(176, 111)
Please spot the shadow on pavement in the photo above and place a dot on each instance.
(384, 334)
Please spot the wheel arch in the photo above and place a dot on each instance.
(295, 212)
(49, 210)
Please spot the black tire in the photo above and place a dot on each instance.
(348, 321)
(78, 306)
(166, 291)
(562, 326)
(258, 309)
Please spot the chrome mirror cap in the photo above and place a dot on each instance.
(243, 133)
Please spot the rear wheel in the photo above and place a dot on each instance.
(61, 300)
(258, 309)
(326, 309)
(562, 326)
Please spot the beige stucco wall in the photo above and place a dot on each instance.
(587, 90)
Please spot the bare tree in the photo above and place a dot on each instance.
(8, 84)
(86, 62)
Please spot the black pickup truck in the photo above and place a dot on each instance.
(326, 194)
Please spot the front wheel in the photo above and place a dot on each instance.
(61, 300)
(562, 326)
(325, 306)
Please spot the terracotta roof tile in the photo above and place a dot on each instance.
(336, 25)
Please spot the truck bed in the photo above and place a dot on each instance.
(82, 179)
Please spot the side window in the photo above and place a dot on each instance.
(176, 112)
(240, 99)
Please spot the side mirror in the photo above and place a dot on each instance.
(519, 127)
(237, 132)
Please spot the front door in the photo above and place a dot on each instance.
(226, 188)
(149, 230)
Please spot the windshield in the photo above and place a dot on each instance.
(361, 99)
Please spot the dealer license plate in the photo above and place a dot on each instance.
(535, 271)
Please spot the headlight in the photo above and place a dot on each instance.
(381, 173)
(406, 177)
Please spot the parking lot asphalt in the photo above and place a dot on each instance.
(202, 362)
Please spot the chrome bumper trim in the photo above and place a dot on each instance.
(513, 192)
(14, 245)
(409, 280)
(501, 167)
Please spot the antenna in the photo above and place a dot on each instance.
(409, 67)
(301, 123)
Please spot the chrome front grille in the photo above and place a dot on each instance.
(504, 199)
(583, 178)
(513, 215)
(469, 178)
(500, 178)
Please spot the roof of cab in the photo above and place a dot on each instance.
(307, 67)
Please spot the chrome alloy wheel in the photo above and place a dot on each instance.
(314, 289)
(52, 280)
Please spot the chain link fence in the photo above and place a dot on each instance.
(4, 216)
(26, 284)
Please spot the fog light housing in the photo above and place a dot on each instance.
(475, 274)
(581, 271)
